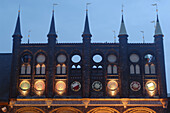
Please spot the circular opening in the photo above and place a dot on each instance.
(75, 86)
(151, 85)
(24, 85)
(111, 58)
(61, 58)
(97, 58)
(135, 86)
(39, 85)
(134, 58)
(26, 58)
(97, 85)
(41, 58)
(76, 58)
(112, 85)
(60, 86)
(149, 58)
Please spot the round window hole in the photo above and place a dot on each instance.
(97, 58)
(76, 58)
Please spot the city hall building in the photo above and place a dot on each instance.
(84, 77)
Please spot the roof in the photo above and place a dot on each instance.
(5, 69)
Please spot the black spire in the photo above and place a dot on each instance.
(86, 27)
(52, 27)
(122, 28)
(17, 32)
(158, 30)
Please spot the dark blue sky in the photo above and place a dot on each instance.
(104, 17)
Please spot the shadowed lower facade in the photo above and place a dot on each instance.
(84, 77)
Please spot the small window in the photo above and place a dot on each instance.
(109, 69)
(63, 69)
(146, 69)
(23, 69)
(73, 67)
(114, 69)
(43, 69)
(78, 67)
(153, 69)
(58, 69)
(100, 67)
(94, 67)
(38, 69)
(137, 69)
(132, 70)
(28, 69)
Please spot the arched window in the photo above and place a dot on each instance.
(94, 67)
(100, 67)
(132, 70)
(58, 69)
(109, 69)
(114, 69)
(23, 69)
(146, 69)
(137, 69)
(78, 67)
(28, 69)
(152, 69)
(38, 69)
(43, 69)
(73, 67)
(63, 69)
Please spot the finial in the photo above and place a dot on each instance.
(122, 9)
(54, 6)
(114, 36)
(143, 36)
(153, 22)
(29, 36)
(19, 9)
(87, 6)
(156, 7)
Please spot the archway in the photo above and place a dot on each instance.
(29, 110)
(66, 110)
(103, 110)
(139, 110)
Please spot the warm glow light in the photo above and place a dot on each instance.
(112, 85)
(39, 85)
(24, 85)
(60, 87)
(151, 85)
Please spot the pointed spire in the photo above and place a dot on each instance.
(17, 31)
(122, 28)
(158, 30)
(52, 27)
(86, 27)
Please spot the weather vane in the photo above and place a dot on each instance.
(29, 36)
(114, 36)
(54, 5)
(122, 9)
(153, 23)
(156, 7)
(143, 36)
(87, 6)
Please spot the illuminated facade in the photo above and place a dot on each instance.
(86, 77)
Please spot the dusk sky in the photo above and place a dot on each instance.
(104, 18)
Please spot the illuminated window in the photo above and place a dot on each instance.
(23, 69)
(152, 69)
(43, 69)
(58, 69)
(63, 69)
(38, 69)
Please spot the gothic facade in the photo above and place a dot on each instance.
(84, 77)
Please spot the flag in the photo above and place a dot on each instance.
(154, 4)
(153, 21)
(88, 3)
(55, 4)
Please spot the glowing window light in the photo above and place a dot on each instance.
(24, 85)
(39, 85)
(151, 86)
(112, 85)
(60, 86)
